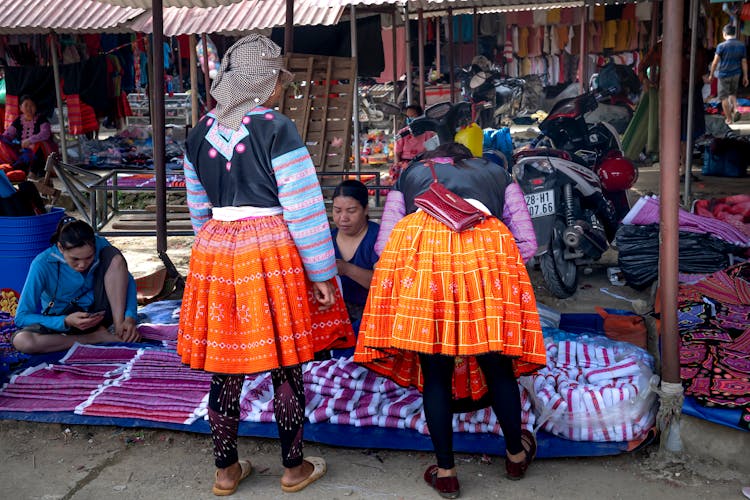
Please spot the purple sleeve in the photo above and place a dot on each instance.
(516, 217)
(10, 133)
(394, 211)
(44, 133)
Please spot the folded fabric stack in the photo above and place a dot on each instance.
(339, 391)
(154, 385)
(151, 331)
(9, 356)
(593, 389)
(714, 315)
(646, 211)
(55, 387)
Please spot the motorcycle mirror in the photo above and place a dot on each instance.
(389, 109)
(422, 125)
(478, 80)
(438, 111)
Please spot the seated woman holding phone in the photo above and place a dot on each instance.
(78, 290)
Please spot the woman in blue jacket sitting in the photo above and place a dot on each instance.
(78, 290)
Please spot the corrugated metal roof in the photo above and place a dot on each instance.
(463, 5)
(146, 4)
(241, 17)
(439, 7)
(42, 16)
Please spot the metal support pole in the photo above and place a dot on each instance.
(451, 56)
(458, 40)
(438, 43)
(654, 35)
(194, 106)
(584, 57)
(688, 157)
(475, 21)
(289, 28)
(355, 96)
(394, 48)
(206, 78)
(178, 87)
(669, 155)
(157, 124)
(420, 37)
(409, 79)
(58, 95)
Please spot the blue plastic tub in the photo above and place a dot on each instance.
(22, 239)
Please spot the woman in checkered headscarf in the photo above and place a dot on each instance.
(260, 293)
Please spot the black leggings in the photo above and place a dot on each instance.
(438, 394)
(288, 407)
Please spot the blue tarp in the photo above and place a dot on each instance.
(355, 437)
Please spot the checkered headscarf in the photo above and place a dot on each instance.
(247, 78)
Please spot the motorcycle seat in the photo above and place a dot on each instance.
(557, 153)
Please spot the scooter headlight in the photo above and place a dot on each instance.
(532, 168)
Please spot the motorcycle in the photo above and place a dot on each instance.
(575, 179)
(498, 98)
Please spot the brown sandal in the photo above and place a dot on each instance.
(516, 470)
(447, 487)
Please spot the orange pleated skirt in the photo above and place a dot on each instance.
(248, 306)
(435, 291)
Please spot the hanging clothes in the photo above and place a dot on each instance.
(535, 41)
(609, 34)
(622, 35)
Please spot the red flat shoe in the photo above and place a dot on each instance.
(516, 470)
(447, 487)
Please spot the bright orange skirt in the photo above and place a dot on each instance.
(248, 306)
(436, 291)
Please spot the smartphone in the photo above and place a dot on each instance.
(97, 313)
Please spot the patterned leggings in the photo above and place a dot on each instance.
(288, 407)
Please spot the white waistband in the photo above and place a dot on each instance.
(236, 213)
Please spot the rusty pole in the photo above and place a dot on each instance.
(451, 56)
(669, 154)
(420, 41)
(584, 56)
(289, 28)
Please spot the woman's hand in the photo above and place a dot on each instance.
(342, 266)
(324, 293)
(83, 320)
(25, 144)
(127, 331)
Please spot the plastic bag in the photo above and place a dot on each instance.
(638, 253)
(593, 389)
(214, 62)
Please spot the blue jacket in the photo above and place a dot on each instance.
(44, 283)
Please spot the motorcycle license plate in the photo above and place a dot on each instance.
(541, 203)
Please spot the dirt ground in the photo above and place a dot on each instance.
(58, 462)
(54, 461)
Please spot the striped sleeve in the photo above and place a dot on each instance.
(197, 199)
(516, 217)
(394, 211)
(304, 212)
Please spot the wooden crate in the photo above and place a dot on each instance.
(320, 104)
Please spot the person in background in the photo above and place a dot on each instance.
(78, 290)
(442, 299)
(354, 242)
(261, 293)
(27, 142)
(729, 64)
(409, 146)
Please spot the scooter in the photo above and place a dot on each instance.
(574, 178)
